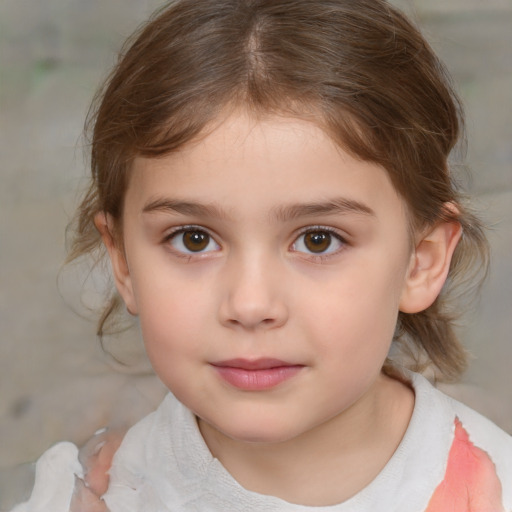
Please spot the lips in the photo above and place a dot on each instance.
(256, 375)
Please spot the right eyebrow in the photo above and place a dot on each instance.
(334, 206)
(185, 208)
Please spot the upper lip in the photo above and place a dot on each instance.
(253, 364)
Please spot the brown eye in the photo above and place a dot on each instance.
(192, 241)
(317, 241)
(320, 241)
(195, 241)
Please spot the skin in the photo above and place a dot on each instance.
(258, 288)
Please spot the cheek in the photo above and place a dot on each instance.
(172, 338)
(355, 316)
(173, 315)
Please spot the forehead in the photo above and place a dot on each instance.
(262, 163)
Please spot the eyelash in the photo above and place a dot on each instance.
(322, 229)
(185, 229)
(309, 230)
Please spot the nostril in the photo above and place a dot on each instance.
(252, 304)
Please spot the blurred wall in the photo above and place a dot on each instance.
(55, 383)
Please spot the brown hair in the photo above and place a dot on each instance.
(358, 68)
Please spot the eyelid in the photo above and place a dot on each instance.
(319, 228)
(185, 227)
(328, 229)
(189, 227)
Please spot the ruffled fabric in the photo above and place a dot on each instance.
(56, 471)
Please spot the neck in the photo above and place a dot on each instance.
(328, 464)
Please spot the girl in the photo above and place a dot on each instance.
(270, 181)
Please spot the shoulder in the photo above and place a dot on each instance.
(162, 459)
(481, 430)
(140, 437)
(146, 460)
(485, 435)
(478, 435)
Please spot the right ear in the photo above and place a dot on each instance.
(105, 225)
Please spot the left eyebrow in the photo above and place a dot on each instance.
(334, 206)
(185, 208)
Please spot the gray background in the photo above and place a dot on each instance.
(55, 383)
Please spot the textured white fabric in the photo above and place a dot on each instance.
(164, 465)
(55, 479)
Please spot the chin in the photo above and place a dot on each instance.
(258, 432)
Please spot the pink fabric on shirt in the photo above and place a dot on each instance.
(470, 483)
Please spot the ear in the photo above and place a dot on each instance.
(105, 225)
(429, 266)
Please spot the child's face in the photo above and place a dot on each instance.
(267, 267)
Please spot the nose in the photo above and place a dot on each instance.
(254, 297)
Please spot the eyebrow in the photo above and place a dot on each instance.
(185, 208)
(336, 206)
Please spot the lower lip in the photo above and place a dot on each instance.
(257, 380)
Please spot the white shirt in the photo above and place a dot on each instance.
(164, 465)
